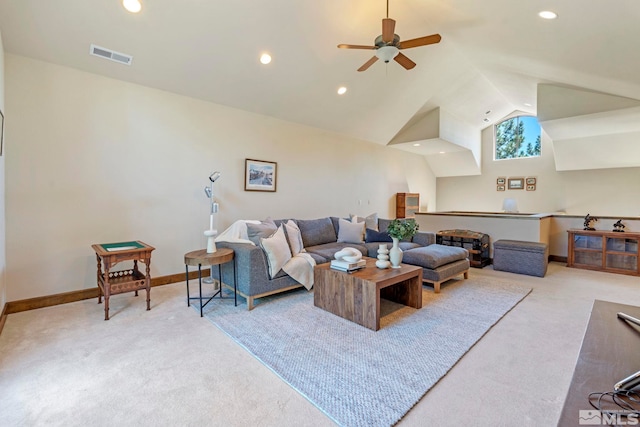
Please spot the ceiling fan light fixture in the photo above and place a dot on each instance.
(387, 53)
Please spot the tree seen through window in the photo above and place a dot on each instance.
(517, 137)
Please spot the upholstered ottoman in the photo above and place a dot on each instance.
(439, 263)
(516, 256)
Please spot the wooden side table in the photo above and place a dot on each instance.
(117, 282)
(200, 258)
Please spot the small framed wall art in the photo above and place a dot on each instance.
(531, 181)
(516, 183)
(531, 187)
(260, 175)
(501, 181)
(500, 187)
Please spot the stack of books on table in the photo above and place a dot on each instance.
(348, 266)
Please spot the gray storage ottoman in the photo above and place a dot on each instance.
(516, 256)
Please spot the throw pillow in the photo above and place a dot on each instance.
(349, 232)
(294, 237)
(377, 236)
(277, 251)
(257, 231)
(370, 221)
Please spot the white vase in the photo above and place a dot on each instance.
(395, 253)
(383, 257)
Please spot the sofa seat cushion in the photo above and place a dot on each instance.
(328, 250)
(317, 231)
(434, 256)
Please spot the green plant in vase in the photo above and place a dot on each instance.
(400, 230)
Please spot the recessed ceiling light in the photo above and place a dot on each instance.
(265, 58)
(342, 90)
(416, 144)
(547, 14)
(132, 6)
(441, 152)
(487, 112)
(485, 120)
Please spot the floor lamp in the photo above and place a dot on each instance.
(213, 210)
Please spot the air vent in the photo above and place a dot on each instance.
(110, 54)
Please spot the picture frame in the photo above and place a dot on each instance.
(1, 132)
(500, 188)
(260, 175)
(531, 187)
(531, 181)
(501, 181)
(515, 183)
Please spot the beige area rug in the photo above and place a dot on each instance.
(359, 377)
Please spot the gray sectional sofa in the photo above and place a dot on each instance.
(320, 239)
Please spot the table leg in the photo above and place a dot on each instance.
(147, 279)
(186, 267)
(98, 278)
(200, 286)
(107, 290)
(135, 270)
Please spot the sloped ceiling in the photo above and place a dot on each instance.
(492, 56)
(590, 130)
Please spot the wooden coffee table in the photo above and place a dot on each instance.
(356, 296)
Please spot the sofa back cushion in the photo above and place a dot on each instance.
(317, 231)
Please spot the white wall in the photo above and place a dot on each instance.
(97, 160)
(3, 257)
(601, 192)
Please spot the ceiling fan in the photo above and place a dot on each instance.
(388, 45)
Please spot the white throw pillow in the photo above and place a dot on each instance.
(294, 237)
(370, 221)
(349, 232)
(277, 251)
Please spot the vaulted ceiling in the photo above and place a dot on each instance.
(492, 57)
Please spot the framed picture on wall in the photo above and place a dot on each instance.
(1, 132)
(501, 181)
(516, 183)
(260, 175)
(500, 188)
(531, 181)
(531, 187)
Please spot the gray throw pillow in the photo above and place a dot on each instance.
(263, 230)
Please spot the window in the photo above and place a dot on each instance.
(517, 137)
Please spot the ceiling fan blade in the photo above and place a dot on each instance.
(420, 41)
(404, 61)
(388, 30)
(355, 46)
(368, 64)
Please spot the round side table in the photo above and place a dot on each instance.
(200, 258)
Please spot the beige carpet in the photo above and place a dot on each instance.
(66, 366)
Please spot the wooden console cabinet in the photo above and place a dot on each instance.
(407, 204)
(604, 250)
